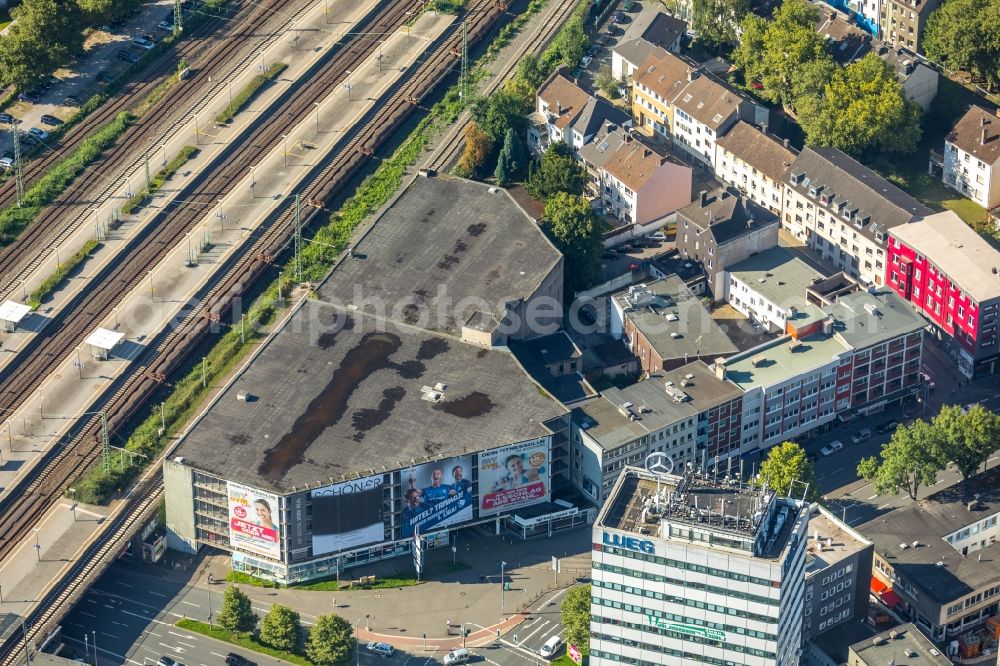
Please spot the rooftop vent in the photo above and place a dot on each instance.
(672, 316)
(675, 335)
(872, 309)
(440, 386)
(689, 375)
(758, 361)
(904, 546)
(243, 396)
(892, 635)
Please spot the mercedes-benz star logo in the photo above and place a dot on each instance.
(659, 463)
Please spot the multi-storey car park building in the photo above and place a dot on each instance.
(949, 273)
(687, 413)
(380, 410)
(939, 557)
(689, 569)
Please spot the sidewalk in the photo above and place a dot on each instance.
(405, 616)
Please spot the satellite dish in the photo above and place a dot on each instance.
(659, 463)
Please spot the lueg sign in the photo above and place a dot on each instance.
(629, 543)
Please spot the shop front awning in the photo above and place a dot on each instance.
(890, 598)
(878, 587)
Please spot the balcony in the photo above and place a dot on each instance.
(937, 158)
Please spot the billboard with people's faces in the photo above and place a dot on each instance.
(514, 476)
(437, 494)
(254, 521)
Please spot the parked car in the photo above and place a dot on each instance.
(29, 139)
(862, 435)
(38, 133)
(966, 408)
(143, 43)
(887, 426)
(459, 656)
(6, 163)
(585, 62)
(381, 649)
(27, 97)
(233, 659)
(166, 25)
(107, 77)
(167, 661)
(50, 120)
(618, 17)
(69, 100)
(594, 50)
(8, 119)
(831, 448)
(658, 236)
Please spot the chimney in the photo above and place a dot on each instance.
(704, 198)
(558, 108)
(646, 152)
(983, 121)
(833, 16)
(691, 74)
(985, 130)
(720, 368)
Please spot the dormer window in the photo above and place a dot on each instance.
(826, 198)
(814, 190)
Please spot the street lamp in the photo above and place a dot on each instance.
(197, 132)
(316, 104)
(163, 147)
(93, 634)
(503, 585)
(350, 87)
(72, 494)
(253, 181)
(38, 547)
(284, 139)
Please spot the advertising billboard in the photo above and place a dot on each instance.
(514, 476)
(347, 515)
(437, 494)
(254, 521)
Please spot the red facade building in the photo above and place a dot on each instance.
(950, 275)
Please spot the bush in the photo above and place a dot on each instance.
(249, 92)
(161, 177)
(52, 282)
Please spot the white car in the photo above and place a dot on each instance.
(658, 236)
(585, 62)
(552, 645)
(6, 163)
(831, 448)
(143, 43)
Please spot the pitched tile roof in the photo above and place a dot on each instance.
(978, 133)
(708, 101)
(848, 180)
(664, 73)
(769, 155)
(565, 98)
(595, 113)
(633, 163)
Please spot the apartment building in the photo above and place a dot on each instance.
(902, 22)
(655, 83)
(838, 573)
(939, 556)
(755, 163)
(704, 110)
(686, 413)
(844, 211)
(722, 228)
(651, 30)
(949, 274)
(640, 184)
(566, 112)
(687, 569)
(769, 289)
(903, 645)
(971, 160)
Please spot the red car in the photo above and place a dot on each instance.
(633, 267)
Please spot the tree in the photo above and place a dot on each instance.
(774, 53)
(331, 641)
(716, 21)
(606, 82)
(499, 112)
(785, 463)
(281, 629)
(568, 47)
(236, 614)
(967, 438)
(477, 150)
(570, 223)
(98, 10)
(862, 109)
(529, 68)
(44, 36)
(575, 614)
(558, 171)
(959, 35)
(511, 161)
(912, 458)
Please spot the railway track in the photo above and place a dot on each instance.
(448, 152)
(213, 61)
(171, 348)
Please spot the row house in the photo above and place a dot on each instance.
(902, 22)
(567, 113)
(640, 185)
(649, 31)
(655, 84)
(755, 163)
(971, 159)
(844, 211)
(949, 273)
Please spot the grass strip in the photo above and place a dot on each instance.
(161, 177)
(13, 220)
(245, 641)
(52, 282)
(96, 486)
(249, 92)
(249, 579)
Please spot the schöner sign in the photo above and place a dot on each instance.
(629, 543)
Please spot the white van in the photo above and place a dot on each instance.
(548, 651)
(459, 656)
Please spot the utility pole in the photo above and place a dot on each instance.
(149, 181)
(465, 66)
(18, 177)
(105, 443)
(178, 25)
(298, 240)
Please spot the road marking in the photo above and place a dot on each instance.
(218, 655)
(177, 614)
(190, 604)
(873, 497)
(884, 506)
(77, 624)
(187, 636)
(188, 645)
(158, 594)
(104, 633)
(118, 582)
(148, 619)
(87, 614)
(529, 636)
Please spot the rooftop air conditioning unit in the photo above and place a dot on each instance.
(243, 396)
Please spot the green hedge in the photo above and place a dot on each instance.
(52, 282)
(13, 220)
(96, 486)
(249, 92)
(241, 640)
(158, 180)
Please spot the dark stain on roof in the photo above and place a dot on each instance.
(467, 407)
(432, 347)
(364, 420)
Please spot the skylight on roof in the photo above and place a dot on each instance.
(717, 118)
(687, 98)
